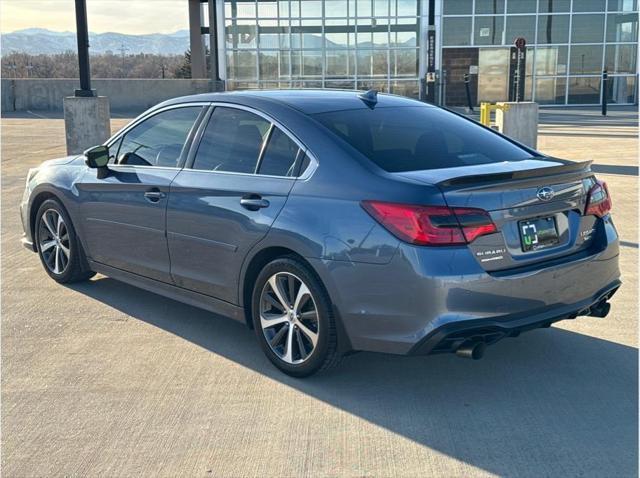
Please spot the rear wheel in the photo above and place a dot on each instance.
(58, 246)
(292, 318)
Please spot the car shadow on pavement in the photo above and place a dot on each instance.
(551, 402)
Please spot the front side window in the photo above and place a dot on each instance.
(158, 141)
(232, 141)
(418, 138)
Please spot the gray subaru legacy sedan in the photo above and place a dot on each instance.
(332, 222)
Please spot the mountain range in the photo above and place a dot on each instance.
(39, 40)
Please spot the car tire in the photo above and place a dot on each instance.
(300, 336)
(58, 246)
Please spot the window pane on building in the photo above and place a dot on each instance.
(311, 63)
(407, 7)
(554, 6)
(242, 65)
(364, 8)
(620, 58)
(488, 30)
(553, 29)
(589, 6)
(404, 62)
(269, 65)
(311, 8)
(584, 90)
(587, 28)
(521, 6)
(586, 59)
(457, 7)
(489, 6)
(621, 89)
(622, 27)
(456, 31)
(335, 8)
(622, 5)
(267, 9)
(551, 61)
(550, 91)
(520, 26)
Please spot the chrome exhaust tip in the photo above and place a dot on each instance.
(471, 350)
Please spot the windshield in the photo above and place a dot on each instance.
(417, 137)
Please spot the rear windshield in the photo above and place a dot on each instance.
(417, 138)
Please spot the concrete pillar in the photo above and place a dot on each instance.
(86, 122)
(198, 62)
(519, 121)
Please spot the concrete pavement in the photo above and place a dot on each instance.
(103, 379)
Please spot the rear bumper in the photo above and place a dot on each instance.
(448, 338)
(425, 295)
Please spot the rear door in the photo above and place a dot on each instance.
(226, 200)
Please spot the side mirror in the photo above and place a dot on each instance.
(97, 157)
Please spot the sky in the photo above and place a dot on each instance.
(123, 16)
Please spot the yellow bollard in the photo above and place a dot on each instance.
(485, 112)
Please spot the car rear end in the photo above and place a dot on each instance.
(502, 247)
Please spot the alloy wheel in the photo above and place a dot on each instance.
(289, 317)
(54, 245)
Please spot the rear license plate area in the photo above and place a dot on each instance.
(540, 233)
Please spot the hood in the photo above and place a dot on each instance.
(61, 161)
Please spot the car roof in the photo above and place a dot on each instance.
(307, 101)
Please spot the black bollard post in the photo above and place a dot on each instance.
(466, 86)
(605, 77)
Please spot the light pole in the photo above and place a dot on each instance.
(82, 33)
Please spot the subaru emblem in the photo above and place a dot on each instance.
(545, 194)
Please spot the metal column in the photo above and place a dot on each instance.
(198, 62)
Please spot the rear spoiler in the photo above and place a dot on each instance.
(567, 167)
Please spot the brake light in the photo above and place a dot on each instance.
(431, 225)
(598, 200)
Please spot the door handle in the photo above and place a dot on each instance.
(154, 195)
(253, 202)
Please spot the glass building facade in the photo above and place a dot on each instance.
(382, 44)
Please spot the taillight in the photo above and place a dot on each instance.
(431, 225)
(598, 200)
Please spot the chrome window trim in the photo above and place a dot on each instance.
(306, 174)
(148, 114)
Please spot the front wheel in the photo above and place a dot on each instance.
(292, 318)
(58, 245)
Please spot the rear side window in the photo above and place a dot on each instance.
(280, 155)
(232, 141)
(418, 138)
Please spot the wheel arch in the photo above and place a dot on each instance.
(260, 259)
(36, 202)
(257, 262)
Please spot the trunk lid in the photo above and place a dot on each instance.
(537, 206)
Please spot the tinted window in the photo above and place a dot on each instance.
(158, 141)
(416, 138)
(279, 156)
(232, 141)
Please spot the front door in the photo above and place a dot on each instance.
(123, 215)
(226, 202)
